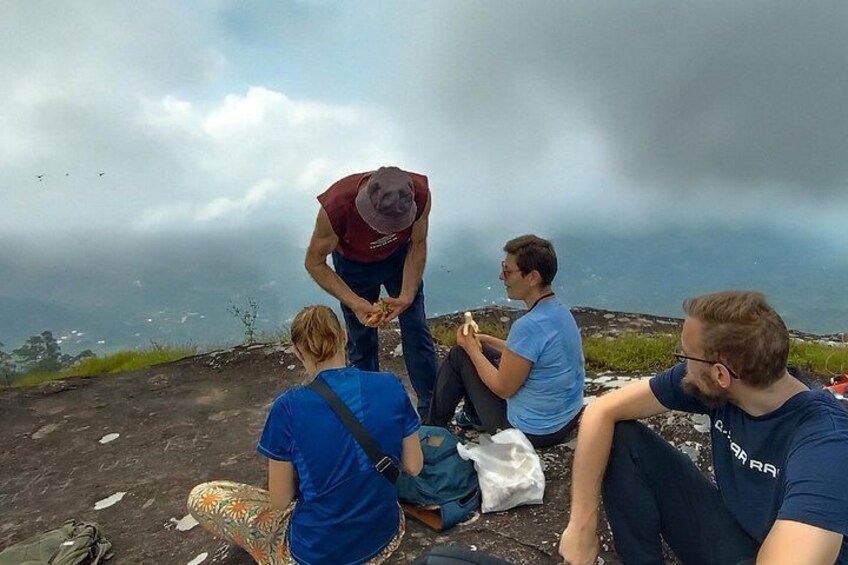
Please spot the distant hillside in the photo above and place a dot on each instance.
(176, 289)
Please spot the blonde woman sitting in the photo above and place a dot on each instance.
(326, 503)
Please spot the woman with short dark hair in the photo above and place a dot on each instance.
(533, 381)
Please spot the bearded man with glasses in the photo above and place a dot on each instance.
(779, 453)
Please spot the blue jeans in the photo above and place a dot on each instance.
(651, 489)
(419, 353)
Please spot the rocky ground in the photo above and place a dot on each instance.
(125, 450)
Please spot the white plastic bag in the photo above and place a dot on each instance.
(509, 471)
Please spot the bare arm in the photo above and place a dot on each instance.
(795, 543)
(282, 483)
(413, 266)
(495, 343)
(579, 543)
(411, 457)
(323, 242)
(504, 380)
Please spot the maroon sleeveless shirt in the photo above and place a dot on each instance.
(357, 240)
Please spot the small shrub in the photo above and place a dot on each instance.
(247, 316)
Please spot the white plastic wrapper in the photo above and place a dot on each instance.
(508, 468)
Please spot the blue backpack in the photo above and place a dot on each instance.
(446, 480)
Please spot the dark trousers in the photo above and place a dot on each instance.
(419, 353)
(651, 489)
(458, 380)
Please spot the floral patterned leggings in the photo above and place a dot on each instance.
(242, 514)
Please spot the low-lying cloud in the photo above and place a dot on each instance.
(680, 96)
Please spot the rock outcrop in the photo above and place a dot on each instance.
(125, 450)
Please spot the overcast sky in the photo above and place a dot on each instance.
(214, 114)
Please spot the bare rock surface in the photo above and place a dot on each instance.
(173, 426)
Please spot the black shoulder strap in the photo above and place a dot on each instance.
(382, 462)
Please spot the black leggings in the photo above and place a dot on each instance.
(457, 379)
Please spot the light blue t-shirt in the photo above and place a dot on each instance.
(552, 395)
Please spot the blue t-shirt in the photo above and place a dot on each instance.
(346, 512)
(552, 395)
(788, 464)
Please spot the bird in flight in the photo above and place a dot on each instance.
(101, 174)
(39, 177)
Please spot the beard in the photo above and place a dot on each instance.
(713, 397)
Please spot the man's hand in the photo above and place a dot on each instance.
(578, 547)
(365, 312)
(396, 306)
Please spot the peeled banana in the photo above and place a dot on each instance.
(469, 325)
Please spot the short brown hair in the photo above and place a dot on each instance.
(743, 331)
(532, 253)
(316, 331)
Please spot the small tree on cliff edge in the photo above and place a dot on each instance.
(247, 317)
(43, 354)
(40, 353)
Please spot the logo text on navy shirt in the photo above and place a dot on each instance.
(742, 455)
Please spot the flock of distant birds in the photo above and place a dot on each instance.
(42, 175)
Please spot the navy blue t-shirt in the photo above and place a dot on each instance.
(346, 512)
(788, 464)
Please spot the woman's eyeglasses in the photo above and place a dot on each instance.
(506, 272)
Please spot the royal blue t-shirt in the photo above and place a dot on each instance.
(788, 464)
(346, 512)
(552, 395)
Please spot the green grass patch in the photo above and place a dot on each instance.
(819, 358)
(445, 334)
(635, 352)
(119, 362)
(629, 352)
(647, 353)
(281, 334)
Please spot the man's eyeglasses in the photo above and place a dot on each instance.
(506, 272)
(682, 357)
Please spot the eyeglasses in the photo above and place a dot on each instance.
(681, 357)
(506, 272)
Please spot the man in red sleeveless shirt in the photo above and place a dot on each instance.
(374, 225)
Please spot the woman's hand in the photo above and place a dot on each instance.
(462, 340)
(468, 342)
